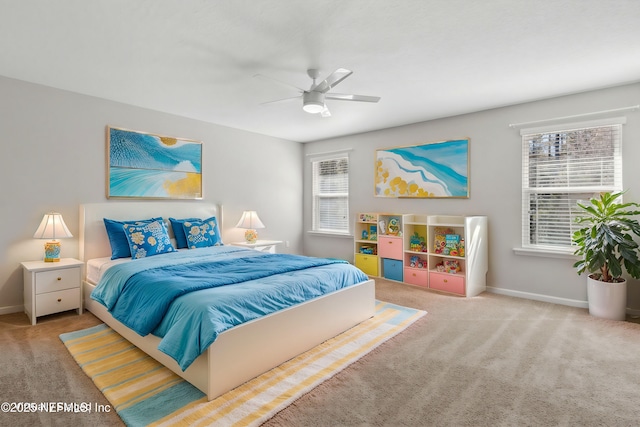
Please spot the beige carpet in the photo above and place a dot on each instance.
(485, 361)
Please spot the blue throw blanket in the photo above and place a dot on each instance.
(173, 295)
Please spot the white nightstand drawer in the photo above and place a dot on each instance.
(54, 302)
(57, 280)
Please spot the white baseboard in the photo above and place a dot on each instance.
(538, 297)
(11, 309)
(634, 312)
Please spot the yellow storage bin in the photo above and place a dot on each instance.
(367, 263)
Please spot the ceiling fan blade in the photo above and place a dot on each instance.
(350, 97)
(332, 80)
(280, 100)
(271, 79)
(325, 112)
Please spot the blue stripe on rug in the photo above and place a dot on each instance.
(83, 333)
(404, 313)
(161, 405)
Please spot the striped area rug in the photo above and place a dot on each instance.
(143, 392)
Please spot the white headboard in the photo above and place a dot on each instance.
(94, 242)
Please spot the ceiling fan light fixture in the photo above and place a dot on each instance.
(313, 102)
(313, 107)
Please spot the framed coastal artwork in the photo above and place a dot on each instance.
(148, 166)
(437, 169)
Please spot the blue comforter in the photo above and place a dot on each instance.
(188, 298)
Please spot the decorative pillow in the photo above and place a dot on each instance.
(202, 233)
(178, 231)
(148, 239)
(118, 238)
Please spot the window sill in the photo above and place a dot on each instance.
(329, 234)
(548, 253)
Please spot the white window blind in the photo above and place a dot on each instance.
(560, 167)
(331, 194)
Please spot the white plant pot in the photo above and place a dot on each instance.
(607, 300)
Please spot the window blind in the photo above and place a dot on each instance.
(561, 167)
(331, 195)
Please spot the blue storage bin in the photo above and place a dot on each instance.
(392, 269)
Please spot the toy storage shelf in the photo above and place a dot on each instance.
(366, 243)
(446, 253)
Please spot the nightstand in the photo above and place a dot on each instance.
(260, 245)
(52, 287)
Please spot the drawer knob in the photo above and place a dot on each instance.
(59, 278)
(445, 280)
(59, 299)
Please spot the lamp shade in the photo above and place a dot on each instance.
(250, 221)
(52, 227)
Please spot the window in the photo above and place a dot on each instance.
(561, 166)
(330, 182)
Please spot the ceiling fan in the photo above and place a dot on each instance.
(313, 99)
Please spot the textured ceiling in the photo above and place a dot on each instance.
(426, 59)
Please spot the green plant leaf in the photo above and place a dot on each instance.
(606, 242)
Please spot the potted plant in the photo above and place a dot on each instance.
(606, 247)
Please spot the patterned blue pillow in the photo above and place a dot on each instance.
(178, 231)
(118, 238)
(148, 239)
(201, 234)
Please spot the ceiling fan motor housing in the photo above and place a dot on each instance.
(313, 102)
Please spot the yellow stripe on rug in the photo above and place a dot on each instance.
(144, 392)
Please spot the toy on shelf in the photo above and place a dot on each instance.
(370, 234)
(373, 232)
(394, 226)
(447, 242)
(417, 243)
(440, 239)
(451, 244)
(368, 250)
(365, 217)
(417, 262)
(451, 266)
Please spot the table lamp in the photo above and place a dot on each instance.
(250, 222)
(52, 227)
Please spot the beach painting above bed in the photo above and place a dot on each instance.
(144, 165)
(438, 169)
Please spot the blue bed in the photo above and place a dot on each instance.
(188, 298)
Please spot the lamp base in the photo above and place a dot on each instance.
(52, 251)
(251, 236)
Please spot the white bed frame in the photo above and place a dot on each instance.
(245, 351)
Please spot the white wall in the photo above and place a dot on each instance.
(54, 158)
(495, 183)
